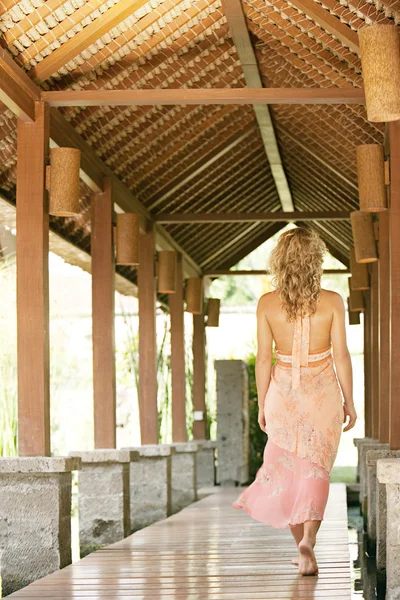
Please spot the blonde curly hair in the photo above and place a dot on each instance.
(296, 263)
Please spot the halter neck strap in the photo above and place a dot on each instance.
(301, 342)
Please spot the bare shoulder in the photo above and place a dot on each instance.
(332, 299)
(267, 301)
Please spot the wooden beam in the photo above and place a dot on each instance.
(185, 96)
(252, 217)
(103, 316)
(326, 20)
(384, 342)
(375, 315)
(394, 433)
(237, 24)
(87, 36)
(199, 377)
(33, 286)
(252, 272)
(178, 374)
(367, 365)
(17, 91)
(147, 340)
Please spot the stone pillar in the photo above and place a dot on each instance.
(183, 474)
(357, 442)
(103, 500)
(150, 484)
(363, 447)
(388, 473)
(35, 518)
(380, 529)
(371, 457)
(232, 422)
(206, 463)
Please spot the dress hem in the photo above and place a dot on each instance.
(286, 526)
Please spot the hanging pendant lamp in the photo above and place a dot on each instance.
(364, 236)
(166, 278)
(357, 301)
(359, 279)
(380, 62)
(354, 315)
(62, 177)
(213, 311)
(371, 177)
(127, 239)
(194, 295)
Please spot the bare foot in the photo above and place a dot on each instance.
(295, 561)
(307, 563)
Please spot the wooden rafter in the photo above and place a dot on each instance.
(17, 91)
(87, 36)
(185, 96)
(237, 24)
(33, 19)
(329, 22)
(243, 217)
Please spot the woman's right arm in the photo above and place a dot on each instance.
(342, 360)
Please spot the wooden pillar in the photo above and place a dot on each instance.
(199, 376)
(394, 431)
(178, 357)
(33, 285)
(384, 304)
(103, 315)
(147, 340)
(367, 365)
(375, 343)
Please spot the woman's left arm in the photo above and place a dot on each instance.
(263, 359)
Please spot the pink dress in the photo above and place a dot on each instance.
(304, 418)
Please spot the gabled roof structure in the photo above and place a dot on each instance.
(203, 158)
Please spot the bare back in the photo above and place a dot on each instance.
(323, 327)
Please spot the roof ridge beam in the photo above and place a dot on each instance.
(237, 24)
(328, 215)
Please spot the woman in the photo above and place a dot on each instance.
(301, 405)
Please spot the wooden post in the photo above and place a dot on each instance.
(367, 364)
(178, 358)
(384, 304)
(199, 376)
(103, 292)
(375, 342)
(394, 432)
(33, 285)
(147, 340)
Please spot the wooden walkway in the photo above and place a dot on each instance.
(208, 551)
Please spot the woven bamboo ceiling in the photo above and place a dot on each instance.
(202, 158)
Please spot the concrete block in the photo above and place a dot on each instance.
(206, 463)
(35, 518)
(363, 448)
(150, 484)
(103, 500)
(233, 422)
(388, 473)
(371, 457)
(183, 474)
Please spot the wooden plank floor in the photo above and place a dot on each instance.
(208, 551)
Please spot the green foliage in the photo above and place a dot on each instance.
(257, 437)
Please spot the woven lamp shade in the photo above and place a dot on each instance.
(364, 236)
(213, 307)
(166, 280)
(63, 182)
(380, 62)
(356, 300)
(371, 177)
(127, 238)
(359, 279)
(194, 295)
